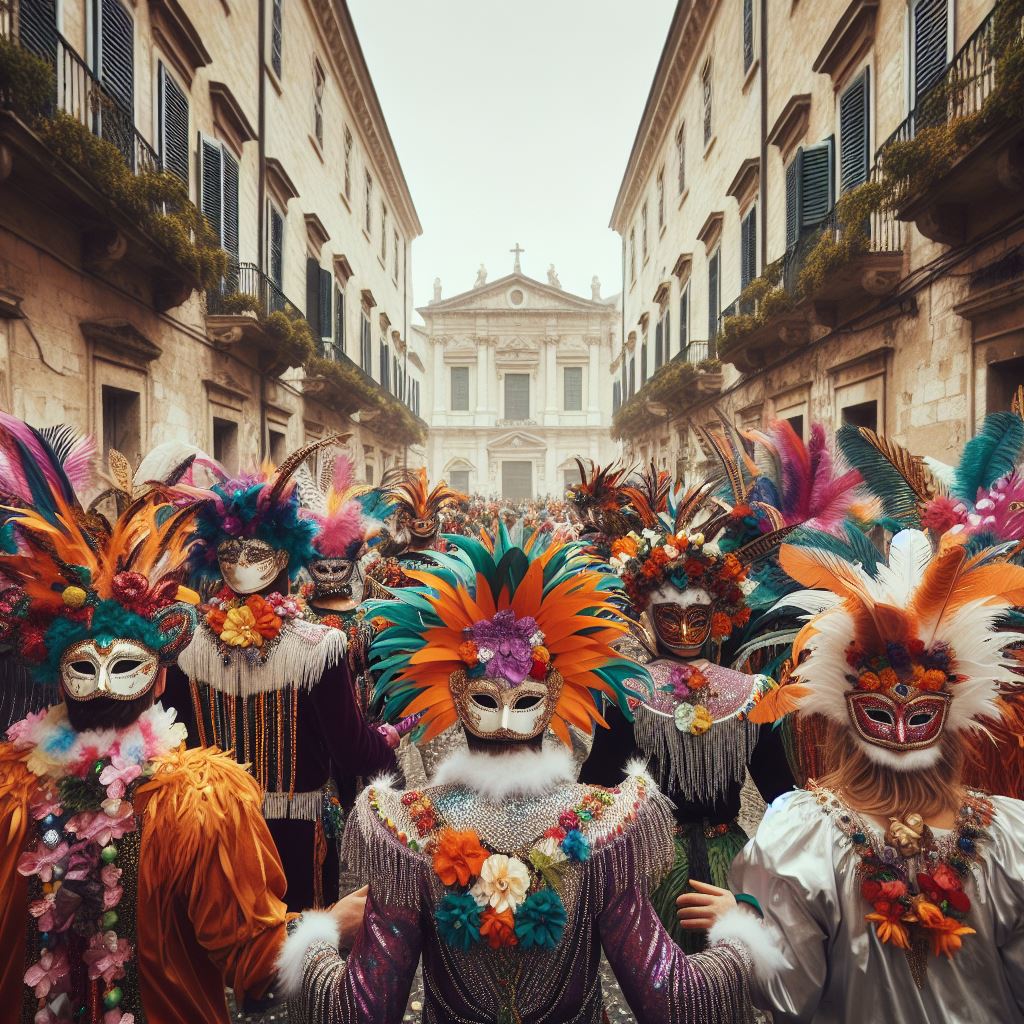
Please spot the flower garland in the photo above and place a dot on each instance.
(82, 809)
(915, 885)
(687, 684)
(505, 647)
(647, 561)
(250, 624)
(902, 666)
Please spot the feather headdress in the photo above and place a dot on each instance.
(415, 501)
(263, 506)
(423, 645)
(599, 498)
(923, 623)
(344, 525)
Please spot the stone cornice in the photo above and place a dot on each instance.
(791, 124)
(679, 59)
(281, 187)
(316, 233)
(744, 183)
(350, 68)
(178, 38)
(849, 41)
(229, 116)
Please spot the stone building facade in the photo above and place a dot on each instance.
(278, 135)
(516, 384)
(905, 317)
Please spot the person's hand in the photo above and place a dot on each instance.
(700, 909)
(348, 915)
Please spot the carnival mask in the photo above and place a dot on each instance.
(682, 620)
(335, 577)
(898, 721)
(249, 565)
(119, 670)
(494, 709)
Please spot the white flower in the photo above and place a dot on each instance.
(551, 848)
(651, 535)
(747, 586)
(671, 552)
(537, 639)
(502, 883)
(697, 539)
(712, 548)
(684, 717)
(484, 654)
(618, 562)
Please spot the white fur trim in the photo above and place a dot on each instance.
(498, 776)
(313, 926)
(762, 941)
(636, 767)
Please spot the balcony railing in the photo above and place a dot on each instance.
(697, 352)
(962, 89)
(81, 95)
(246, 279)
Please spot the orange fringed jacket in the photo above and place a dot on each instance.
(210, 887)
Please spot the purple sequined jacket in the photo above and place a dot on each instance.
(630, 842)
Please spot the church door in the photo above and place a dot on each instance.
(517, 480)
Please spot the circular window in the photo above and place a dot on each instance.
(516, 297)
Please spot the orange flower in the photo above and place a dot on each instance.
(946, 935)
(732, 567)
(659, 557)
(693, 567)
(933, 679)
(267, 622)
(624, 546)
(868, 681)
(889, 925)
(697, 680)
(888, 678)
(721, 625)
(542, 654)
(458, 856)
(650, 569)
(468, 652)
(928, 914)
(742, 617)
(215, 618)
(498, 929)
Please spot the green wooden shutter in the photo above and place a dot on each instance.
(854, 133)
(793, 200)
(684, 317)
(325, 305)
(658, 342)
(229, 236)
(116, 53)
(748, 248)
(339, 319)
(276, 222)
(313, 295)
(748, 34)
(37, 28)
(816, 184)
(714, 296)
(211, 197)
(172, 107)
(930, 29)
(277, 36)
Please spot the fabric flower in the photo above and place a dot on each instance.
(41, 861)
(945, 936)
(458, 920)
(943, 885)
(508, 637)
(624, 546)
(721, 625)
(106, 956)
(702, 720)
(119, 775)
(868, 681)
(933, 679)
(576, 846)
(498, 928)
(44, 802)
(541, 920)
(42, 911)
(551, 845)
(103, 828)
(684, 715)
(468, 652)
(888, 921)
(458, 856)
(502, 883)
(50, 974)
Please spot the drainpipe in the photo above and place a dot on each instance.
(763, 175)
(261, 193)
(405, 334)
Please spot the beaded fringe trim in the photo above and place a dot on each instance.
(296, 806)
(304, 652)
(700, 767)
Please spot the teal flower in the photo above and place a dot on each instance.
(575, 845)
(458, 920)
(540, 920)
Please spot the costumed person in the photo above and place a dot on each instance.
(260, 680)
(505, 875)
(138, 877)
(894, 891)
(600, 503)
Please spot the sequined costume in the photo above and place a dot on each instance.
(506, 876)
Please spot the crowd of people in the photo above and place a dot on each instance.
(295, 737)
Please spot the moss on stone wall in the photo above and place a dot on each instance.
(670, 385)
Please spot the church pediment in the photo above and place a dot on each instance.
(517, 440)
(514, 293)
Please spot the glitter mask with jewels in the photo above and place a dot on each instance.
(119, 670)
(909, 722)
(250, 565)
(682, 622)
(500, 710)
(336, 577)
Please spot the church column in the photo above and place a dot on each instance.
(439, 384)
(550, 381)
(595, 382)
(483, 383)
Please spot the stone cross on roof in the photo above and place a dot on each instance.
(517, 250)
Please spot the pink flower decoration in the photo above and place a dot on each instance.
(17, 733)
(41, 861)
(569, 820)
(44, 802)
(110, 875)
(116, 1017)
(49, 975)
(42, 911)
(103, 828)
(119, 775)
(106, 956)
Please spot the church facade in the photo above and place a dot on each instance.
(517, 385)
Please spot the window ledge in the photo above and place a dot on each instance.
(274, 80)
(317, 148)
(710, 146)
(751, 74)
(682, 198)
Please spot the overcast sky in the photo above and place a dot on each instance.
(513, 122)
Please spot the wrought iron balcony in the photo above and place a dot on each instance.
(242, 281)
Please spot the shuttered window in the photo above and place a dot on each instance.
(277, 36)
(275, 245)
(748, 248)
(748, 34)
(172, 130)
(326, 287)
(517, 396)
(37, 27)
(929, 41)
(218, 198)
(707, 97)
(643, 364)
(115, 52)
(684, 317)
(793, 201)
(632, 376)
(365, 345)
(339, 319)
(714, 296)
(667, 334)
(573, 388)
(460, 389)
(313, 296)
(616, 397)
(854, 132)
(385, 367)
(817, 194)
(458, 480)
(517, 480)
(659, 354)
(681, 158)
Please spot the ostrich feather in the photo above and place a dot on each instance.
(991, 454)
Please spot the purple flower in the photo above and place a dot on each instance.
(509, 640)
